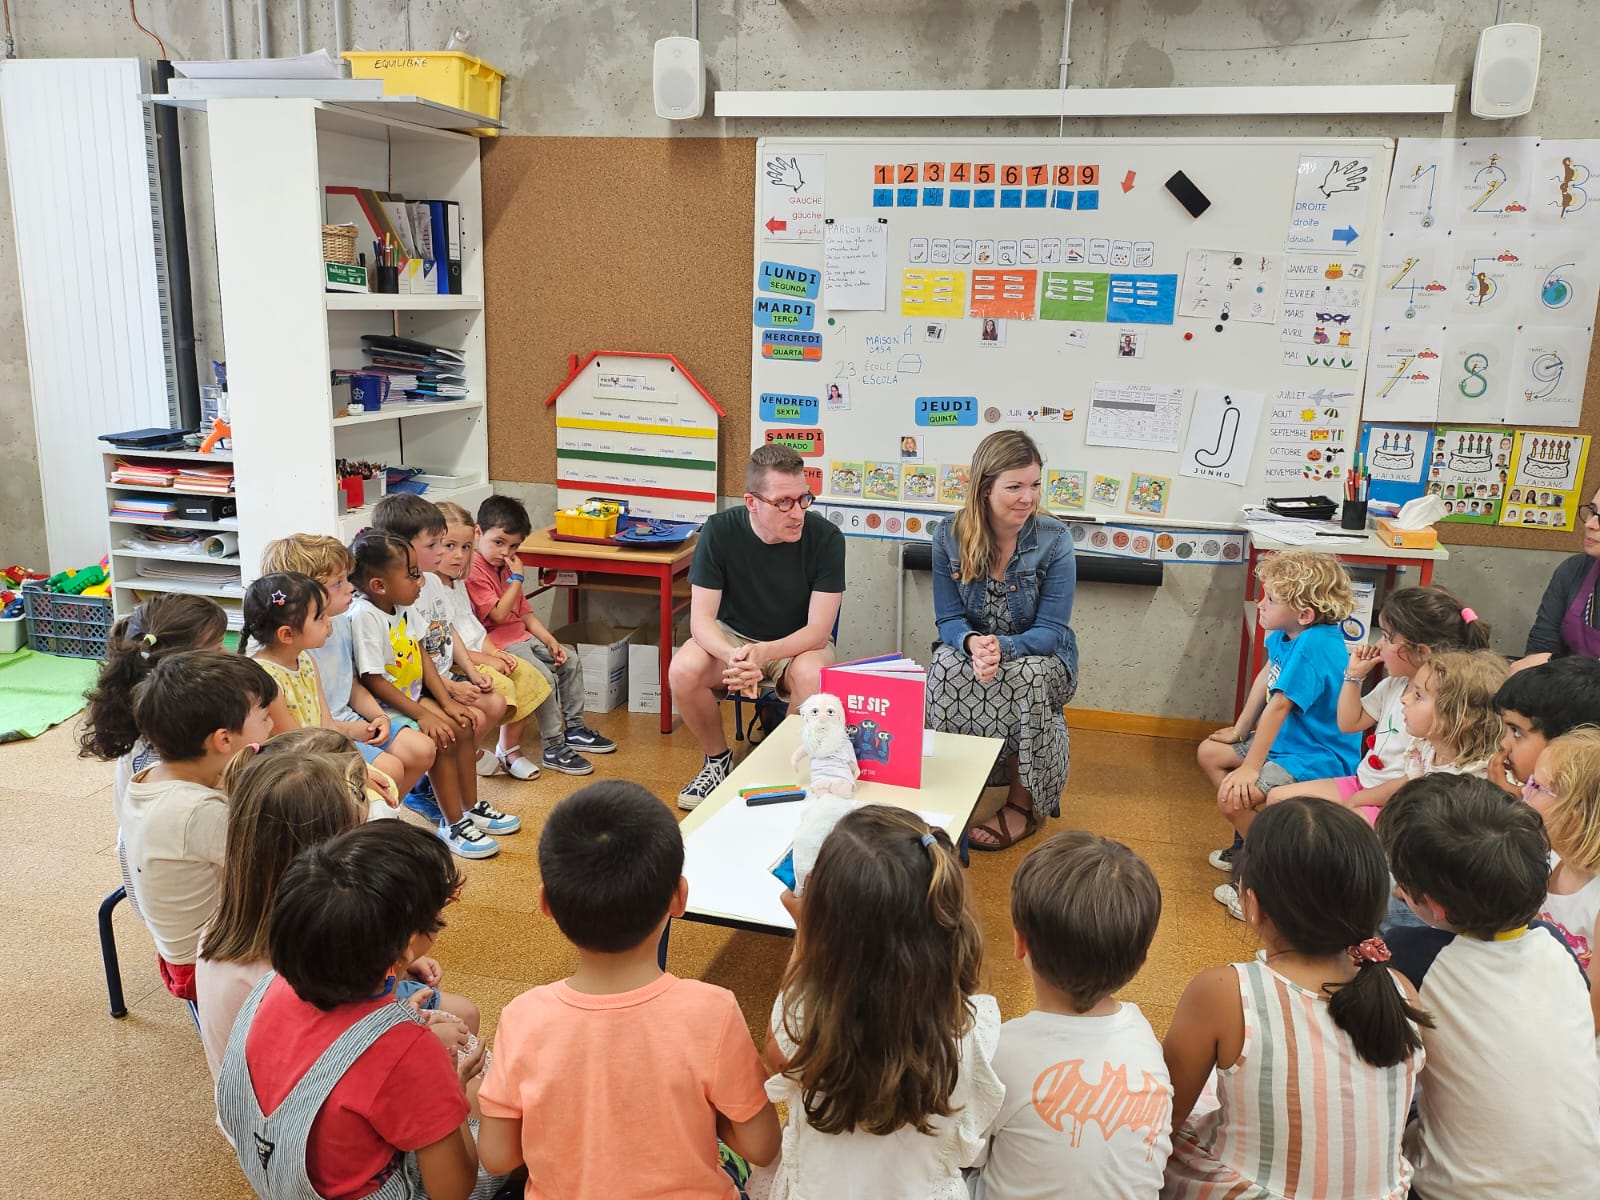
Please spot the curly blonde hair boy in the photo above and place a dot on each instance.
(1309, 579)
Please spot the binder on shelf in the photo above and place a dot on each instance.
(439, 240)
(884, 701)
(452, 234)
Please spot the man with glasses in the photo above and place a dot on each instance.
(765, 587)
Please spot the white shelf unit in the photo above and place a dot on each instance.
(127, 585)
(285, 335)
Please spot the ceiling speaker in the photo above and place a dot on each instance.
(1506, 71)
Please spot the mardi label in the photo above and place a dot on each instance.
(773, 313)
(786, 280)
(796, 410)
(807, 443)
(947, 410)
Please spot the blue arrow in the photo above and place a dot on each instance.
(1345, 235)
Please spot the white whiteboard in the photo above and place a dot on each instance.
(1089, 270)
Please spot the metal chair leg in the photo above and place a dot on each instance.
(108, 953)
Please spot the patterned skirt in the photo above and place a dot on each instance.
(1021, 704)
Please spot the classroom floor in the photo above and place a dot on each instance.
(97, 1107)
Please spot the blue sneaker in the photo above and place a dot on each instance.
(420, 799)
(581, 737)
(491, 820)
(466, 840)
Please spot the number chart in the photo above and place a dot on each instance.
(913, 295)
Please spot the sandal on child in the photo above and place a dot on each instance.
(520, 767)
(998, 828)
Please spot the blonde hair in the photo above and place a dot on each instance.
(313, 554)
(1309, 579)
(1004, 451)
(1573, 821)
(454, 514)
(1463, 684)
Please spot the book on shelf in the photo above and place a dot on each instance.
(884, 703)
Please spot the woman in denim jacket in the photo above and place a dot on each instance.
(1006, 662)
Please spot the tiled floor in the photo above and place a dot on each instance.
(96, 1107)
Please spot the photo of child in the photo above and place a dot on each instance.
(910, 448)
(993, 332)
(838, 398)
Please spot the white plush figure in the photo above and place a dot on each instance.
(821, 815)
(824, 740)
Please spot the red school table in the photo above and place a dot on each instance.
(1372, 553)
(608, 568)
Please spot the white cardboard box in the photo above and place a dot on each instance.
(1358, 625)
(603, 650)
(644, 668)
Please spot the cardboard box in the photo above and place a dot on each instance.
(1357, 627)
(644, 667)
(1406, 539)
(603, 650)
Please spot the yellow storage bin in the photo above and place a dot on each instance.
(444, 76)
(596, 519)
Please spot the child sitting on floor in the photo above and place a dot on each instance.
(1449, 713)
(1564, 789)
(363, 1099)
(1536, 706)
(1288, 729)
(196, 710)
(1509, 1105)
(569, 1055)
(1085, 910)
(1312, 1031)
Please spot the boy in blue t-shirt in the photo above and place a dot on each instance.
(1288, 730)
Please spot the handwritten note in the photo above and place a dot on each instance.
(855, 265)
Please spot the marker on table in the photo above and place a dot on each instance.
(774, 797)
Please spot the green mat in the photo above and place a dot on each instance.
(40, 690)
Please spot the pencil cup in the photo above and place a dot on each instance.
(388, 279)
(1353, 515)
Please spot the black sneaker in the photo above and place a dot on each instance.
(702, 785)
(583, 738)
(561, 758)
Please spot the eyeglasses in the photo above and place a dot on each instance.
(787, 503)
(1533, 785)
(1587, 513)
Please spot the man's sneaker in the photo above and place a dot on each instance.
(1228, 896)
(466, 840)
(520, 767)
(421, 800)
(702, 785)
(560, 758)
(491, 820)
(487, 764)
(1222, 860)
(581, 737)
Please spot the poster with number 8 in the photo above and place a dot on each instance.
(1475, 373)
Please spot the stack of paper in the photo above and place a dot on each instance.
(212, 481)
(144, 508)
(419, 370)
(143, 474)
(226, 578)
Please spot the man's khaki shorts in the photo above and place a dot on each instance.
(772, 673)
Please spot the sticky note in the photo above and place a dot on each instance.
(1010, 197)
(1063, 198)
(960, 198)
(1038, 198)
(907, 198)
(983, 198)
(933, 197)
(882, 197)
(1088, 200)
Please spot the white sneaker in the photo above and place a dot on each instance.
(1222, 859)
(488, 764)
(466, 840)
(1228, 896)
(702, 785)
(520, 767)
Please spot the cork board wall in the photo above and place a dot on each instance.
(614, 244)
(645, 244)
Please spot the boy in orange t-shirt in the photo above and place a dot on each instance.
(622, 1053)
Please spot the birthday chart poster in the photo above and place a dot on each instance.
(1546, 473)
(1469, 469)
(1396, 457)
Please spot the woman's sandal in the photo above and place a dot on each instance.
(998, 828)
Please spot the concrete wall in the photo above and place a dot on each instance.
(582, 68)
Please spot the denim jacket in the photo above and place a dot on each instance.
(1040, 580)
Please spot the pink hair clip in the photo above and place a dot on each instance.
(1373, 950)
(1468, 616)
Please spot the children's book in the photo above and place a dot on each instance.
(884, 701)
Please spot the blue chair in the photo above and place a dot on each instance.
(769, 702)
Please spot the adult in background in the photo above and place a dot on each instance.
(764, 590)
(1006, 662)
(1567, 621)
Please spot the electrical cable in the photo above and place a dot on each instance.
(132, 12)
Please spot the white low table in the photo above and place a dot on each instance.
(730, 848)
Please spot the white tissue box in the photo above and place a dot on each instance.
(1406, 539)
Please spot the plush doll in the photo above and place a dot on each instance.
(824, 739)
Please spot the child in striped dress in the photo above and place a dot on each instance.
(1312, 1048)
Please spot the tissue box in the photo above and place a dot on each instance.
(1406, 539)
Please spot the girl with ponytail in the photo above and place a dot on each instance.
(881, 1044)
(1315, 1028)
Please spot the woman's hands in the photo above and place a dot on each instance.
(984, 650)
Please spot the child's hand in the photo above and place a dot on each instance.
(1362, 661)
(461, 714)
(507, 661)
(1236, 793)
(380, 731)
(1228, 736)
(480, 680)
(558, 652)
(441, 729)
(383, 785)
(791, 905)
(461, 690)
(471, 1063)
(426, 970)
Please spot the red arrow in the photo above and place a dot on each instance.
(773, 224)
(1127, 182)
